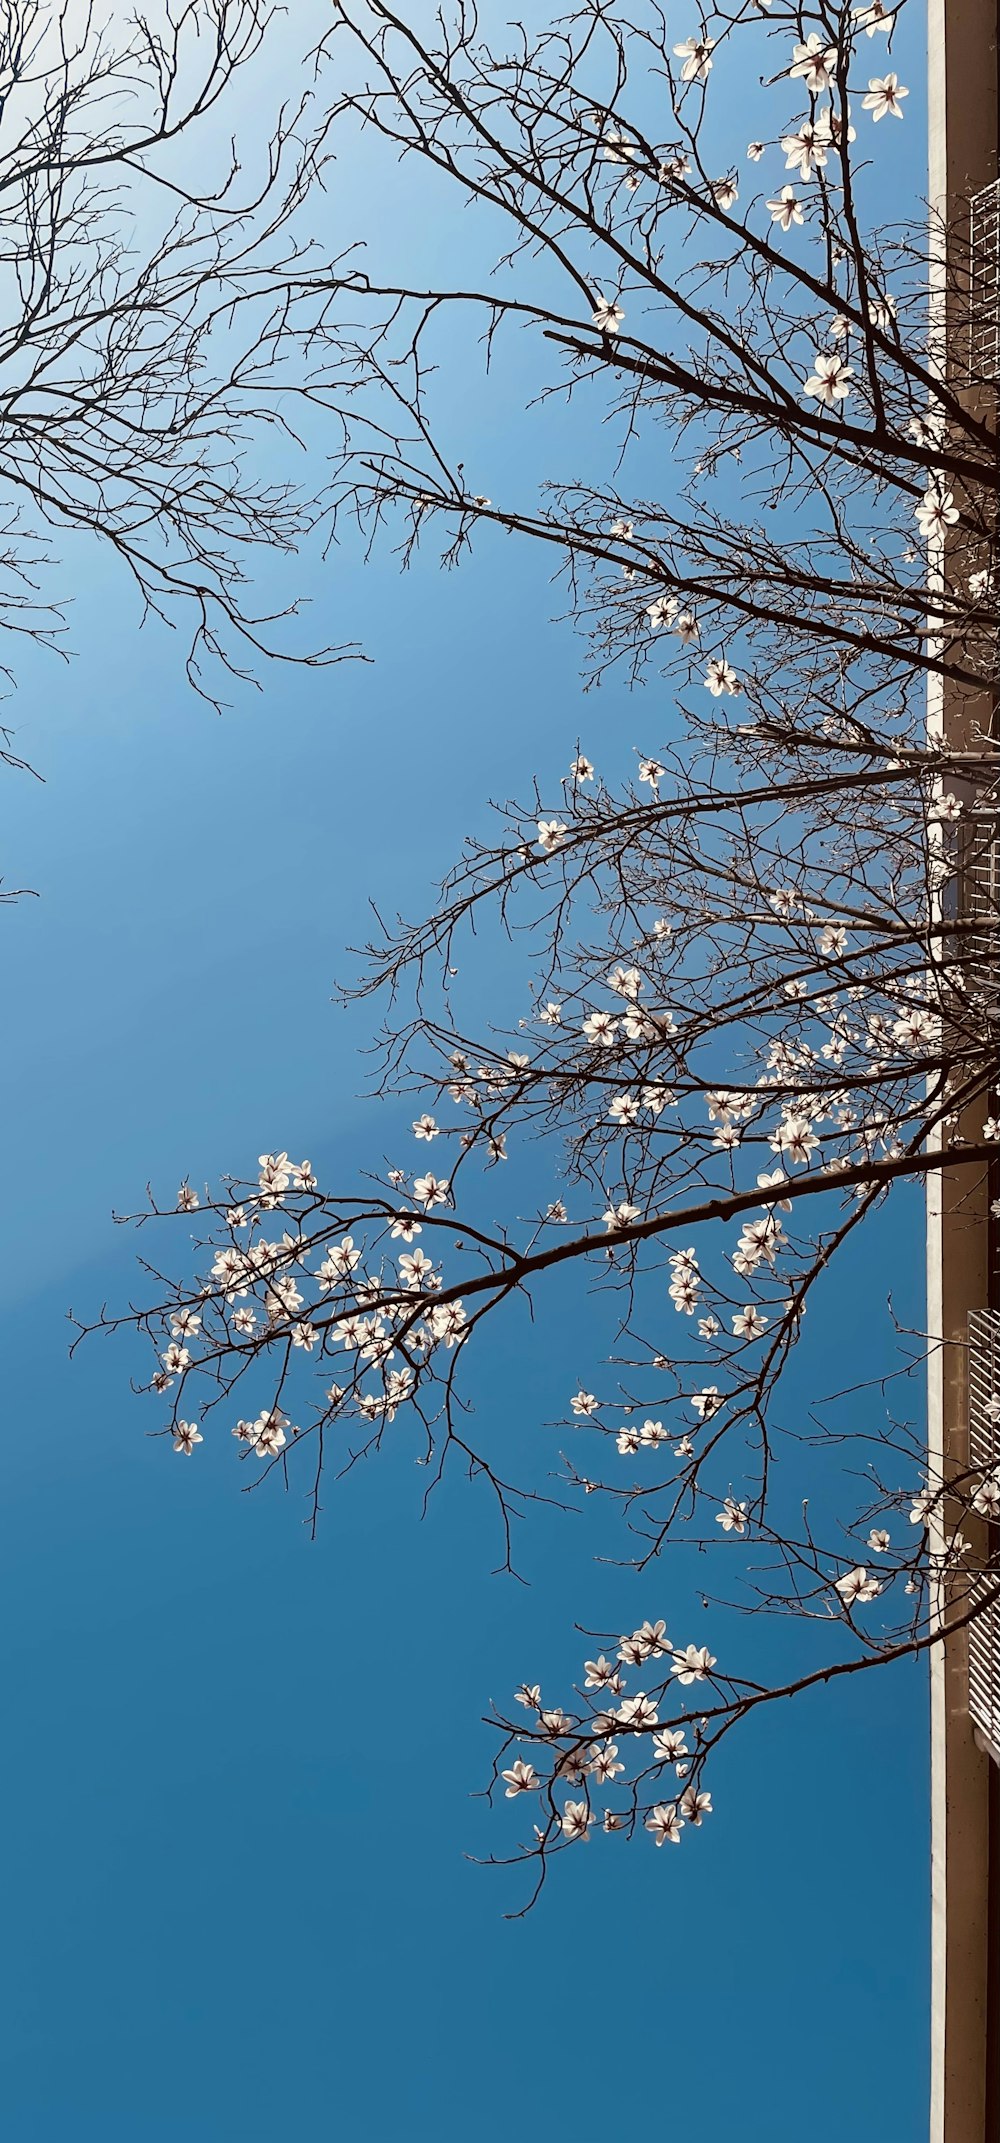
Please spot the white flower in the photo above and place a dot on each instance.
(399, 1386)
(732, 1517)
(283, 1298)
(581, 768)
(987, 1498)
(175, 1358)
(755, 150)
(603, 1767)
(805, 151)
(186, 1435)
(651, 772)
(267, 1433)
(683, 1289)
(720, 677)
(662, 612)
(576, 1819)
(695, 1805)
(879, 1541)
(760, 1239)
(627, 981)
(607, 316)
(650, 1640)
(417, 1271)
(425, 1127)
(687, 628)
(696, 52)
(692, 1664)
(815, 63)
(274, 1173)
(404, 1228)
(794, 1137)
(885, 93)
(921, 1506)
(670, 1744)
(857, 1585)
(707, 1402)
(584, 1402)
(628, 1442)
(187, 1200)
(631, 1653)
(829, 381)
(749, 1323)
(600, 1027)
(653, 1433)
(725, 193)
(619, 1216)
(521, 1778)
(601, 1673)
(616, 149)
(913, 1030)
(665, 1823)
(550, 833)
(529, 1695)
(638, 1712)
(876, 16)
(430, 1191)
(339, 1261)
(936, 512)
(787, 209)
(446, 1321)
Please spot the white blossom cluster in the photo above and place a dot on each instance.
(744, 1018)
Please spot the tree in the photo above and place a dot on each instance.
(156, 289)
(760, 991)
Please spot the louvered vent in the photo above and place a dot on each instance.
(984, 337)
(981, 902)
(984, 1451)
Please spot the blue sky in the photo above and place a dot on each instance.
(236, 1894)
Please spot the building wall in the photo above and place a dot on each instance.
(962, 52)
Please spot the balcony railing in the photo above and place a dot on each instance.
(984, 339)
(984, 1454)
